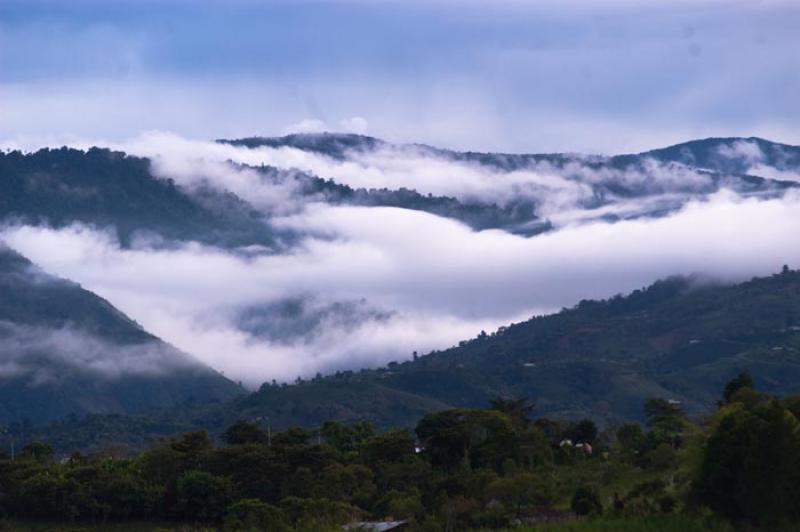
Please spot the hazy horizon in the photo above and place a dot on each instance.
(516, 76)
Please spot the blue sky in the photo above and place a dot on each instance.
(502, 75)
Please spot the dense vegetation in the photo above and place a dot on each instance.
(106, 188)
(711, 157)
(459, 469)
(517, 216)
(680, 338)
(109, 189)
(330, 459)
(707, 153)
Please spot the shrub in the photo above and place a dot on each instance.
(585, 501)
(254, 515)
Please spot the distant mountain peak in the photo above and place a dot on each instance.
(332, 144)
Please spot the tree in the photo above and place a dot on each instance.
(647, 498)
(750, 472)
(289, 437)
(584, 431)
(630, 438)
(534, 447)
(662, 458)
(518, 410)
(244, 432)
(522, 494)
(351, 483)
(251, 515)
(38, 451)
(404, 505)
(392, 446)
(316, 514)
(192, 446)
(202, 496)
(477, 438)
(742, 380)
(666, 421)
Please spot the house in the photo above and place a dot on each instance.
(585, 447)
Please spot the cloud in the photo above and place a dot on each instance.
(41, 354)
(355, 124)
(755, 162)
(557, 190)
(523, 77)
(307, 125)
(747, 151)
(770, 172)
(518, 77)
(427, 293)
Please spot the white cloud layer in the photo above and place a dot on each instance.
(560, 193)
(439, 281)
(23, 348)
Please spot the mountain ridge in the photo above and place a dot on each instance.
(111, 188)
(681, 338)
(338, 142)
(66, 351)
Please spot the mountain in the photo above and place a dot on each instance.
(110, 189)
(515, 216)
(544, 188)
(335, 145)
(680, 339)
(65, 351)
(732, 155)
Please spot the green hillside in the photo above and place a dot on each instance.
(106, 188)
(680, 339)
(67, 352)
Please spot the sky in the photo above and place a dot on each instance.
(523, 76)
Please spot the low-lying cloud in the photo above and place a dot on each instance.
(561, 191)
(427, 281)
(41, 354)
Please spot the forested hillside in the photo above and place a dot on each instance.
(65, 352)
(109, 189)
(680, 338)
